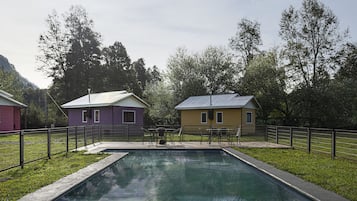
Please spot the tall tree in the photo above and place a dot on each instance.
(119, 72)
(53, 46)
(311, 41)
(266, 81)
(83, 58)
(185, 76)
(70, 53)
(247, 40)
(218, 70)
(344, 91)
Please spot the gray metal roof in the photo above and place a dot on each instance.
(218, 101)
(102, 100)
(8, 100)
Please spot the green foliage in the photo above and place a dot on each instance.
(247, 40)
(334, 175)
(212, 71)
(266, 81)
(160, 98)
(311, 39)
(71, 54)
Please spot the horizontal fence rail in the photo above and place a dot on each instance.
(335, 142)
(20, 147)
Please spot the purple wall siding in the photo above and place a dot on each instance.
(108, 115)
(139, 112)
(9, 118)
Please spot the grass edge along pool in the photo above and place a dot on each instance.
(182, 175)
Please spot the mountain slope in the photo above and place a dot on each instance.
(6, 66)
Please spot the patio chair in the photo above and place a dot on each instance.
(205, 133)
(238, 135)
(176, 133)
(216, 133)
(224, 133)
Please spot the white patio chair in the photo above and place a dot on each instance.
(238, 135)
(178, 133)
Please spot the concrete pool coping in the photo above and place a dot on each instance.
(63, 185)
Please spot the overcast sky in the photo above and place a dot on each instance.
(151, 29)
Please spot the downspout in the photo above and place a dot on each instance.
(241, 121)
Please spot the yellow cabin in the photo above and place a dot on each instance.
(219, 111)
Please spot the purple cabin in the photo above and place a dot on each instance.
(107, 108)
(10, 112)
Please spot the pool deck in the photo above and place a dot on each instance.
(61, 186)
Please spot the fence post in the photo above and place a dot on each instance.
(67, 140)
(92, 135)
(291, 136)
(84, 136)
(22, 160)
(333, 144)
(49, 143)
(266, 133)
(308, 140)
(75, 136)
(100, 133)
(127, 131)
(277, 135)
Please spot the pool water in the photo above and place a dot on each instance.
(181, 175)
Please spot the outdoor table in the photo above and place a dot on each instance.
(218, 132)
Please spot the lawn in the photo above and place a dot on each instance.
(338, 175)
(17, 182)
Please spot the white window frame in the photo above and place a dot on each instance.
(206, 118)
(96, 118)
(217, 117)
(133, 111)
(251, 118)
(84, 116)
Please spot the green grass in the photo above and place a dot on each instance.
(35, 147)
(17, 182)
(338, 175)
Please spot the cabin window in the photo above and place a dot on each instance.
(84, 116)
(219, 117)
(249, 117)
(203, 117)
(129, 116)
(96, 116)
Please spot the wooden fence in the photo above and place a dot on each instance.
(335, 142)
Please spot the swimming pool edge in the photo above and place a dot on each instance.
(63, 185)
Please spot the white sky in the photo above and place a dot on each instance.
(151, 29)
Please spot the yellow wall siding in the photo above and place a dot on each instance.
(191, 119)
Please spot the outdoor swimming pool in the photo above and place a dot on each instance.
(168, 175)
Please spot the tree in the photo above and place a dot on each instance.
(218, 70)
(343, 89)
(162, 103)
(247, 40)
(83, 58)
(265, 79)
(185, 76)
(311, 41)
(53, 46)
(70, 54)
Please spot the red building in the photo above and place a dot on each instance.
(10, 112)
